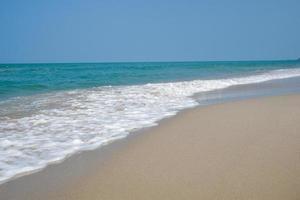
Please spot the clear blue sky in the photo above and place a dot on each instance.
(136, 30)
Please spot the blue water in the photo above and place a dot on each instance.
(27, 79)
(50, 111)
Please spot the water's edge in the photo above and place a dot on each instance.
(229, 94)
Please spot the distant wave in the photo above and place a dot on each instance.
(40, 129)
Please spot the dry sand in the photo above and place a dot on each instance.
(239, 150)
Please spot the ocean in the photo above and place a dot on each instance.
(51, 111)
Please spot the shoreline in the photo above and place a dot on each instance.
(67, 123)
(62, 174)
(277, 87)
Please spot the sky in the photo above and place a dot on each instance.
(156, 30)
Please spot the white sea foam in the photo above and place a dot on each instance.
(40, 129)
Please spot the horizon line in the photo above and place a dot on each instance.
(153, 61)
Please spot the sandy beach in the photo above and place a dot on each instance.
(150, 100)
(247, 149)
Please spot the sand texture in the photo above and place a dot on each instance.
(239, 150)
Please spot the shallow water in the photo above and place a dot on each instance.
(44, 126)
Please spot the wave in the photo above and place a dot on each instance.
(41, 129)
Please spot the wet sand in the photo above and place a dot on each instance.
(247, 149)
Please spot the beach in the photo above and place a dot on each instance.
(149, 100)
(246, 149)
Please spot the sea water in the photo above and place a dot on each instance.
(51, 111)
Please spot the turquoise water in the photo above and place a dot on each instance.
(26, 79)
(50, 111)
